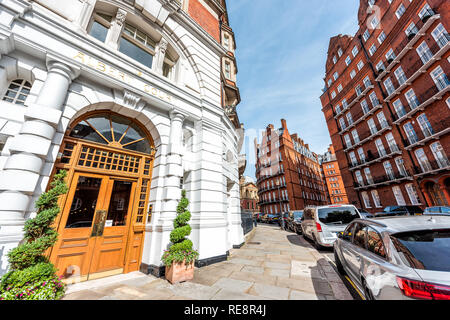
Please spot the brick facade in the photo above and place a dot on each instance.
(400, 115)
(249, 195)
(332, 178)
(288, 173)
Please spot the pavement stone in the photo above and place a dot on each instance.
(268, 291)
(302, 295)
(233, 285)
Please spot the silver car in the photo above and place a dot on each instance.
(397, 258)
(322, 224)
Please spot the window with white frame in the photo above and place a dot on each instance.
(389, 86)
(400, 11)
(391, 142)
(359, 178)
(340, 52)
(400, 163)
(334, 59)
(423, 160)
(17, 92)
(99, 26)
(380, 66)
(353, 159)
(355, 51)
(368, 175)
(339, 88)
(333, 94)
(425, 125)
(366, 35)
(425, 11)
(424, 52)
(365, 106)
(439, 78)
(372, 49)
(373, 99)
(362, 155)
(410, 133)
(366, 199)
(411, 30)
(440, 35)
(372, 126)
(412, 193)
(335, 76)
(397, 191)
(360, 65)
(390, 56)
(376, 198)
(348, 141)
(352, 74)
(412, 99)
(381, 37)
(399, 108)
(355, 136)
(358, 90)
(382, 120)
(137, 45)
(348, 60)
(440, 155)
(400, 75)
(374, 22)
(342, 123)
(349, 118)
(329, 82)
(388, 169)
(367, 82)
(380, 147)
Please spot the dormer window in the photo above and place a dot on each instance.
(17, 92)
(100, 26)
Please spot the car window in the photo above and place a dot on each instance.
(414, 209)
(337, 215)
(424, 249)
(308, 215)
(347, 235)
(375, 243)
(359, 238)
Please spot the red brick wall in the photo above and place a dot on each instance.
(204, 18)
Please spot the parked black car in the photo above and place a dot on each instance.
(294, 221)
(273, 218)
(400, 211)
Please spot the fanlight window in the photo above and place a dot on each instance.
(114, 131)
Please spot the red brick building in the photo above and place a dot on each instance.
(288, 173)
(332, 178)
(249, 195)
(386, 102)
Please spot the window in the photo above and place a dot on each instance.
(372, 126)
(411, 30)
(366, 200)
(100, 26)
(398, 196)
(374, 22)
(360, 65)
(400, 11)
(401, 166)
(440, 155)
(349, 118)
(412, 99)
(372, 49)
(335, 76)
(137, 45)
(18, 91)
(353, 159)
(376, 199)
(339, 88)
(365, 106)
(410, 133)
(361, 155)
(329, 82)
(334, 59)
(425, 125)
(382, 120)
(375, 243)
(344, 104)
(226, 41)
(389, 171)
(352, 74)
(391, 142)
(360, 234)
(348, 142)
(368, 175)
(380, 148)
(439, 78)
(389, 86)
(424, 52)
(355, 136)
(366, 35)
(367, 82)
(440, 35)
(348, 60)
(355, 51)
(426, 11)
(381, 37)
(380, 66)
(412, 193)
(390, 56)
(400, 75)
(333, 94)
(399, 108)
(227, 70)
(358, 90)
(340, 52)
(342, 123)
(359, 178)
(423, 160)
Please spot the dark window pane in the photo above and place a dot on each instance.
(102, 124)
(119, 203)
(84, 202)
(360, 235)
(426, 250)
(135, 52)
(337, 216)
(84, 131)
(375, 244)
(98, 31)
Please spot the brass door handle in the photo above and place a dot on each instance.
(99, 223)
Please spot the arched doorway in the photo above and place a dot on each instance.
(109, 160)
(436, 194)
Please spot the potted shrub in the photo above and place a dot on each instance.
(179, 259)
(31, 275)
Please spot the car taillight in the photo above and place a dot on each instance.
(423, 290)
(319, 227)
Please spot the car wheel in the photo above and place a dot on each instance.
(339, 266)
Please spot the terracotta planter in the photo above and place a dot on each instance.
(180, 272)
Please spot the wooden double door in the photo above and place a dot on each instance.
(95, 227)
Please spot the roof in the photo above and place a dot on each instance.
(411, 223)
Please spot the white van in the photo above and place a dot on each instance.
(323, 224)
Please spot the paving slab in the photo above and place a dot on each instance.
(268, 291)
(233, 285)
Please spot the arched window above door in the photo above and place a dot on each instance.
(113, 130)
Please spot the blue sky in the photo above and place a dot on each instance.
(281, 54)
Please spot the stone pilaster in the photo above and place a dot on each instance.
(28, 150)
(112, 40)
(160, 55)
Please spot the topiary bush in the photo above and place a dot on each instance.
(31, 275)
(181, 248)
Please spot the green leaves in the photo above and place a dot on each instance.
(181, 248)
(29, 265)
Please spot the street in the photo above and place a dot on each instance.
(273, 265)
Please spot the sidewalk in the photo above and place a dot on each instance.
(273, 265)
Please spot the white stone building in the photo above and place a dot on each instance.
(123, 95)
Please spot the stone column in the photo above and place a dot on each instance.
(20, 175)
(172, 192)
